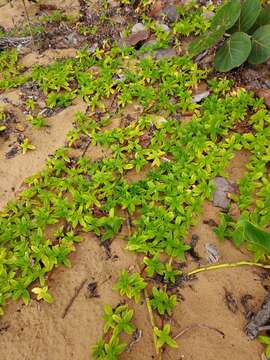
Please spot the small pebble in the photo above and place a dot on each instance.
(137, 27)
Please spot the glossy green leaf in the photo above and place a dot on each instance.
(260, 45)
(249, 13)
(263, 18)
(246, 231)
(205, 41)
(226, 15)
(234, 52)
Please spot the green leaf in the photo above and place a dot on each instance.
(264, 17)
(205, 41)
(249, 13)
(260, 45)
(264, 339)
(234, 52)
(226, 15)
(255, 236)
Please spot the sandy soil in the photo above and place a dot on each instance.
(39, 331)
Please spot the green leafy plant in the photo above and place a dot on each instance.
(130, 285)
(43, 294)
(30, 104)
(26, 146)
(247, 26)
(162, 302)
(36, 121)
(164, 337)
(117, 322)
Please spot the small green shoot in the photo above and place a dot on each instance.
(130, 285)
(26, 146)
(164, 338)
(43, 294)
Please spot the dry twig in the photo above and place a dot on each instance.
(76, 293)
(200, 326)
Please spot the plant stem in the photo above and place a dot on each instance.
(28, 20)
(227, 266)
(148, 304)
(151, 316)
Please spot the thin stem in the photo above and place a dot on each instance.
(264, 328)
(227, 266)
(201, 326)
(152, 321)
(28, 20)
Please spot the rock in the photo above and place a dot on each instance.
(156, 8)
(165, 54)
(20, 127)
(170, 13)
(234, 211)
(212, 253)
(72, 39)
(137, 28)
(157, 119)
(222, 189)
(264, 94)
(137, 37)
(200, 96)
(93, 48)
(114, 3)
(164, 27)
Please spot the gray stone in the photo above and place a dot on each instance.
(170, 13)
(212, 253)
(222, 188)
(165, 53)
(199, 97)
(164, 27)
(137, 27)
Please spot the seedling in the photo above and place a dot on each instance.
(162, 302)
(30, 104)
(37, 121)
(26, 146)
(130, 285)
(164, 338)
(43, 294)
(117, 321)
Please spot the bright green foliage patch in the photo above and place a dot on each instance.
(117, 322)
(10, 70)
(180, 161)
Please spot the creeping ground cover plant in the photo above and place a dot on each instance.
(178, 161)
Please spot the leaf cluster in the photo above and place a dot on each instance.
(247, 26)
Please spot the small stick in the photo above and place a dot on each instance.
(28, 20)
(227, 266)
(264, 328)
(148, 304)
(135, 341)
(201, 326)
(87, 147)
(76, 293)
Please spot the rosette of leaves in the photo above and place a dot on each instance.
(245, 28)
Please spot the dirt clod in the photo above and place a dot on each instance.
(230, 301)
